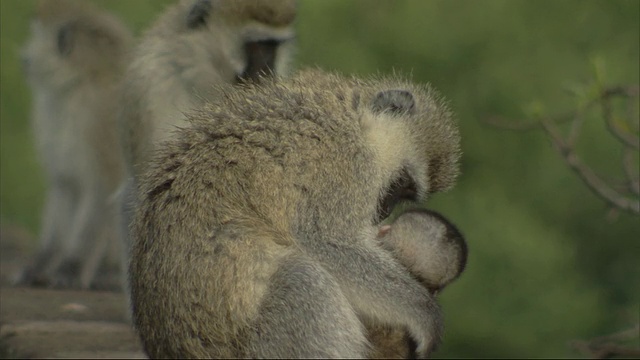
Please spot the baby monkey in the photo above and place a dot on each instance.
(428, 245)
(434, 251)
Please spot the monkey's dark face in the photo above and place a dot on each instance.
(250, 48)
(260, 56)
(402, 189)
(395, 107)
(416, 150)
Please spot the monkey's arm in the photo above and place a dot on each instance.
(433, 251)
(381, 289)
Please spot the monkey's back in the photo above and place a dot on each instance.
(250, 160)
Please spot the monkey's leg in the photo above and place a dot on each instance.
(126, 207)
(93, 237)
(83, 248)
(52, 216)
(56, 215)
(101, 269)
(305, 315)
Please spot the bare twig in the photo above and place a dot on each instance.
(632, 113)
(623, 335)
(605, 351)
(608, 346)
(576, 126)
(521, 125)
(613, 345)
(626, 137)
(566, 147)
(593, 181)
(629, 170)
(627, 91)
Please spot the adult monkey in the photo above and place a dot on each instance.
(74, 61)
(258, 229)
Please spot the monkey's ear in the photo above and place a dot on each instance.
(394, 102)
(197, 16)
(65, 39)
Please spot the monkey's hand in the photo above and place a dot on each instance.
(428, 245)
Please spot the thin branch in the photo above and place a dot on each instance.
(627, 91)
(565, 147)
(629, 169)
(633, 108)
(622, 335)
(521, 125)
(593, 181)
(605, 351)
(624, 136)
(576, 126)
(609, 345)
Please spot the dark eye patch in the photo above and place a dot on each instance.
(197, 16)
(403, 188)
(394, 102)
(65, 39)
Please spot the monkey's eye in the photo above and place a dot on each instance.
(65, 39)
(197, 16)
(403, 188)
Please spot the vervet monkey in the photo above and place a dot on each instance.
(73, 62)
(191, 47)
(257, 228)
(434, 251)
(194, 45)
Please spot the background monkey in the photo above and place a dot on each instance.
(256, 232)
(192, 46)
(73, 62)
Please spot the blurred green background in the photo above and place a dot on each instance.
(548, 262)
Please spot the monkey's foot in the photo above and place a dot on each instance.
(67, 276)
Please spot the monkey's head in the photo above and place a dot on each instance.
(71, 40)
(409, 132)
(235, 40)
(350, 149)
(415, 142)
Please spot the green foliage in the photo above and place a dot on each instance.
(546, 264)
